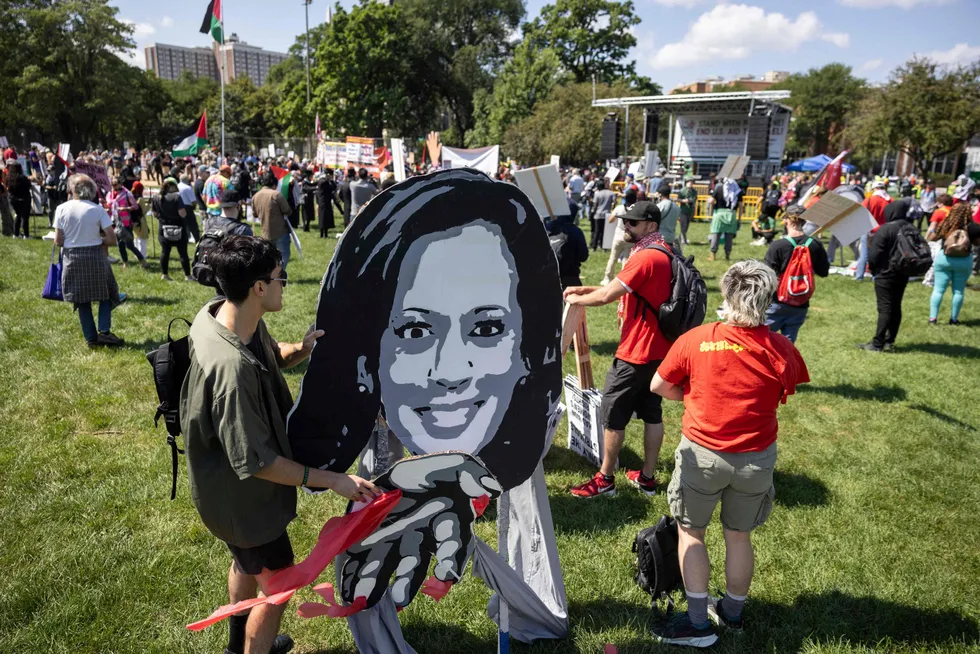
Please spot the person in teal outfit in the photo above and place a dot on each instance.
(724, 220)
(953, 268)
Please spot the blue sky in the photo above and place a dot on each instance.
(678, 41)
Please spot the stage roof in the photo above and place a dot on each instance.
(701, 103)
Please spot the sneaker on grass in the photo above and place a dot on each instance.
(716, 611)
(678, 630)
(638, 480)
(595, 487)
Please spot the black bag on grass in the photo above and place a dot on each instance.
(170, 362)
(658, 570)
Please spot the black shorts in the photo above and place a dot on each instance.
(627, 392)
(272, 556)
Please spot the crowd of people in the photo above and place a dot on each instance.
(748, 361)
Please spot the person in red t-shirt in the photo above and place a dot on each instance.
(731, 376)
(642, 286)
(875, 203)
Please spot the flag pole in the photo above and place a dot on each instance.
(224, 64)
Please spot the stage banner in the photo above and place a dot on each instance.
(714, 136)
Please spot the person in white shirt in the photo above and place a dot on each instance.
(576, 186)
(619, 245)
(83, 229)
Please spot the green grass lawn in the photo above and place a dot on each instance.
(872, 546)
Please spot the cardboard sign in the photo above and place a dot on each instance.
(585, 433)
(734, 166)
(398, 159)
(847, 219)
(98, 174)
(555, 160)
(3, 142)
(543, 185)
(64, 151)
(612, 174)
(272, 150)
(652, 163)
(634, 168)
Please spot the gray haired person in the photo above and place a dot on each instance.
(742, 368)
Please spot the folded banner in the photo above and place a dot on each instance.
(483, 159)
(336, 536)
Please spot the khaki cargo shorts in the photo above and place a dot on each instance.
(741, 480)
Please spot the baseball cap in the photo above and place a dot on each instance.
(230, 198)
(643, 211)
(225, 170)
(878, 184)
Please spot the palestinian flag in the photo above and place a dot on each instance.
(284, 177)
(212, 21)
(193, 140)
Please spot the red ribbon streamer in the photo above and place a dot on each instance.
(337, 535)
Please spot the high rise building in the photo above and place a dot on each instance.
(240, 58)
(244, 60)
(169, 61)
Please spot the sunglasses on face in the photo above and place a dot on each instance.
(631, 222)
(282, 280)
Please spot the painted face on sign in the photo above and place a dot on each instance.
(450, 355)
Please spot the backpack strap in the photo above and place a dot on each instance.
(172, 442)
(644, 304)
(170, 326)
(808, 241)
(791, 240)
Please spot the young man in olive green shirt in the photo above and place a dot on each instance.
(687, 199)
(233, 408)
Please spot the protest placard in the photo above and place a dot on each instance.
(272, 150)
(543, 185)
(398, 159)
(585, 434)
(555, 160)
(612, 174)
(635, 168)
(652, 163)
(734, 166)
(64, 151)
(3, 142)
(847, 219)
(97, 173)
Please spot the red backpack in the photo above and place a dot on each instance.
(796, 285)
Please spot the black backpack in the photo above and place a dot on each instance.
(910, 254)
(772, 199)
(170, 362)
(688, 302)
(658, 569)
(201, 269)
(558, 241)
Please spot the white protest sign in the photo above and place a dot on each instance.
(585, 434)
(847, 219)
(272, 150)
(290, 154)
(634, 168)
(555, 160)
(542, 184)
(64, 151)
(612, 174)
(3, 142)
(483, 159)
(126, 146)
(398, 159)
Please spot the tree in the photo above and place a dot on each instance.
(371, 73)
(523, 81)
(822, 100)
(65, 87)
(592, 37)
(925, 110)
(565, 123)
(468, 40)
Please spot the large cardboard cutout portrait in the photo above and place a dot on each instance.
(440, 306)
(442, 312)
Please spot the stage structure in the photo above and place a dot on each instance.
(704, 128)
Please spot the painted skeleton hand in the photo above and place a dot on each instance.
(434, 516)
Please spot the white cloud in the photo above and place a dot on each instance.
(872, 64)
(840, 39)
(735, 31)
(139, 29)
(961, 53)
(902, 4)
(166, 21)
(135, 57)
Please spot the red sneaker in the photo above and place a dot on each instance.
(595, 487)
(648, 486)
